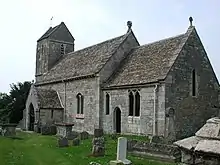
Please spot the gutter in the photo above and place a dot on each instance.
(154, 114)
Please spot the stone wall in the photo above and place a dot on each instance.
(67, 91)
(48, 51)
(191, 112)
(55, 49)
(46, 115)
(133, 124)
(31, 100)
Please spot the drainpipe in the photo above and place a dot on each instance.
(154, 115)
(64, 115)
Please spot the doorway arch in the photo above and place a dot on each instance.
(117, 120)
(31, 118)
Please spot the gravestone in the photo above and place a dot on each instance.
(98, 133)
(63, 142)
(98, 148)
(98, 143)
(76, 142)
(84, 135)
(64, 129)
(47, 129)
(72, 135)
(121, 152)
(8, 130)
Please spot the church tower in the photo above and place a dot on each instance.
(51, 47)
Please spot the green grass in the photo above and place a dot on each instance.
(35, 149)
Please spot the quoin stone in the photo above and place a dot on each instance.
(122, 150)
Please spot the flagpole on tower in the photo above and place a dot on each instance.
(51, 21)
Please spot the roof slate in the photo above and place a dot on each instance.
(48, 99)
(148, 63)
(85, 62)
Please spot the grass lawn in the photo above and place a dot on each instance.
(35, 149)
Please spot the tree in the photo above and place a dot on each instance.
(17, 99)
(5, 100)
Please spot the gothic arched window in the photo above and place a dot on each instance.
(131, 104)
(137, 104)
(80, 102)
(107, 104)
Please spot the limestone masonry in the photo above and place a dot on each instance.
(166, 88)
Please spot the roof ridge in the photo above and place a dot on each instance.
(96, 44)
(168, 38)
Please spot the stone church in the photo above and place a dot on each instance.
(166, 88)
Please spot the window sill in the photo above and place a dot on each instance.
(79, 116)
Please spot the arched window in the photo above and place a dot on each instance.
(193, 82)
(61, 49)
(137, 104)
(131, 104)
(107, 104)
(80, 102)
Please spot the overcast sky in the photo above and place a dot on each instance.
(93, 21)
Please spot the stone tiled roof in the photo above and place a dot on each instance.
(148, 63)
(48, 99)
(85, 62)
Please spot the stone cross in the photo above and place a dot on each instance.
(122, 150)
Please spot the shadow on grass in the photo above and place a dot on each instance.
(16, 138)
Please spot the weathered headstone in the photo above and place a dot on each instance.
(121, 152)
(72, 135)
(48, 130)
(98, 133)
(84, 135)
(76, 142)
(63, 142)
(98, 148)
(64, 129)
(8, 130)
(98, 143)
(45, 130)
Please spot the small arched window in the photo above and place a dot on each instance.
(80, 102)
(137, 104)
(62, 49)
(107, 103)
(131, 104)
(194, 82)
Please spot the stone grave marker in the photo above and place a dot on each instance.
(84, 135)
(63, 142)
(98, 143)
(72, 135)
(76, 142)
(98, 133)
(121, 152)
